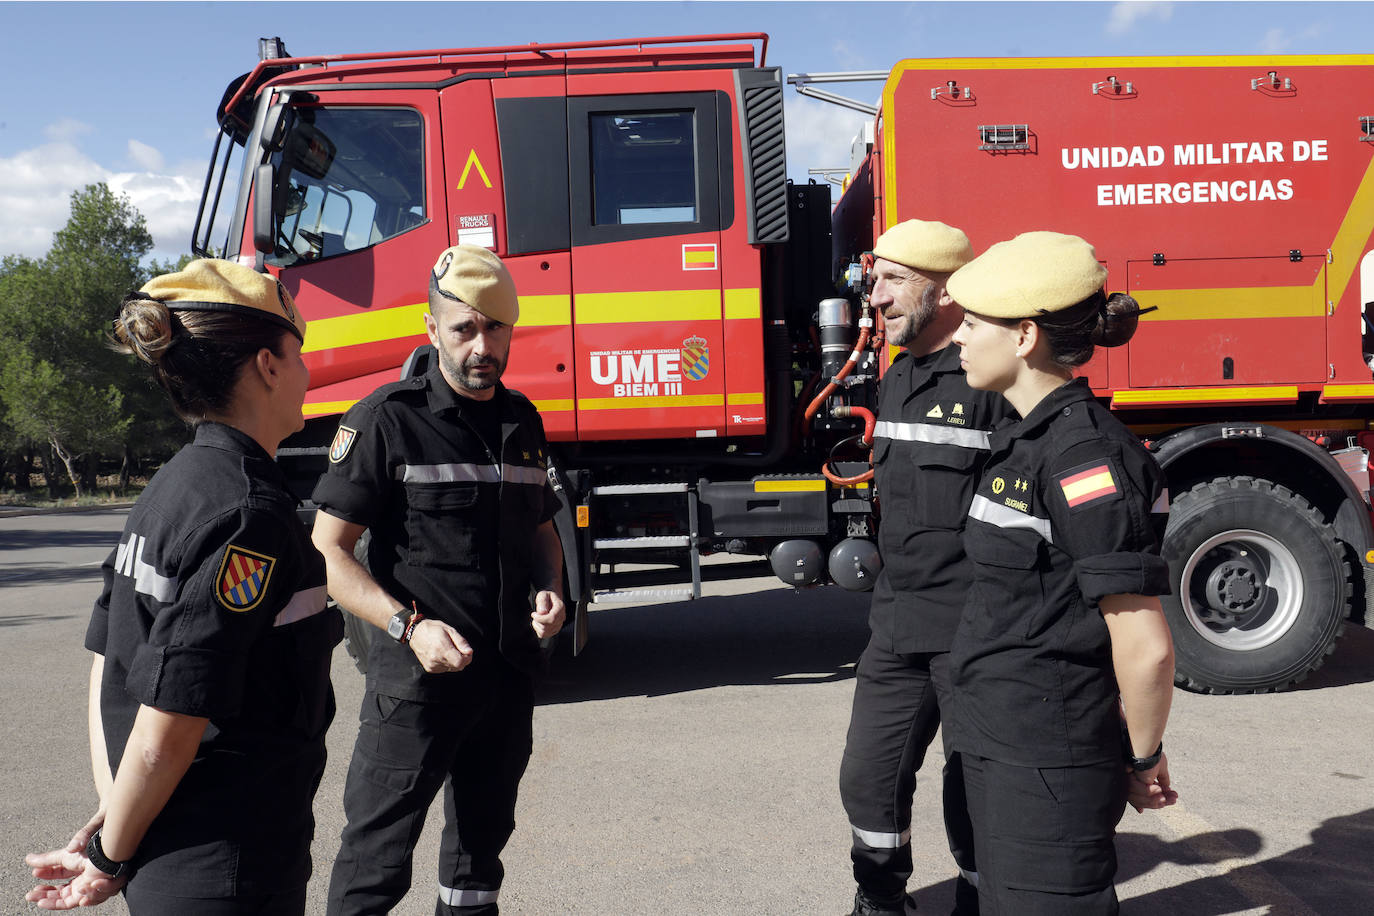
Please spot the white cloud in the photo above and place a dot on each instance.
(145, 156)
(1275, 40)
(1278, 40)
(1125, 15)
(36, 187)
(819, 134)
(66, 130)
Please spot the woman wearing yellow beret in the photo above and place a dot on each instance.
(1062, 663)
(209, 692)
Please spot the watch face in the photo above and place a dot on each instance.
(396, 627)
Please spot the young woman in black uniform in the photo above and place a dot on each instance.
(1062, 664)
(210, 693)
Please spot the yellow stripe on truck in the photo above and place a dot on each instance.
(323, 408)
(788, 486)
(743, 303)
(1147, 396)
(640, 306)
(675, 400)
(1251, 302)
(408, 321)
(1339, 392)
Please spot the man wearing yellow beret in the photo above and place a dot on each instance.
(449, 473)
(929, 444)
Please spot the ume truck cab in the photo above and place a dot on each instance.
(694, 329)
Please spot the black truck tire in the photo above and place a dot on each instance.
(1261, 587)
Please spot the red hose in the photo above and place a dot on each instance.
(839, 376)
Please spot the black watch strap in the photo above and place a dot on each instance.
(1141, 764)
(96, 853)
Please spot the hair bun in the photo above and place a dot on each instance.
(143, 328)
(1117, 320)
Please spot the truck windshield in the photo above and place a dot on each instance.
(345, 179)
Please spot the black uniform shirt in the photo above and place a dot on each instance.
(1060, 519)
(929, 444)
(452, 524)
(214, 606)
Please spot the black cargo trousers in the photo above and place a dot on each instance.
(477, 750)
(897, 700)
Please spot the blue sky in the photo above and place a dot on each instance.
(126, 92)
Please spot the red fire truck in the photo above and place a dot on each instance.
(693, 327)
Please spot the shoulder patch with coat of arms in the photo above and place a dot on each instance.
(343, 441)
(243, 577)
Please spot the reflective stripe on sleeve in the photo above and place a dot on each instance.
(985, 510)
(875, 840)
(516, 473)
(970, 876)
(147, 581)
(467, 472)
(930, 432)
(303, 604)
(458, 896)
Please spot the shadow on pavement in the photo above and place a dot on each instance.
(34, 539)
(1331, 876)
(24, 620)
(773, 637)
(1351, 663)
(25, 575)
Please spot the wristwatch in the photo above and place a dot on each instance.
(97, 857)
(1141, 764)
(399, 624)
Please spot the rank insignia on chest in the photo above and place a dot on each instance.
(1012, 490)
(243, 577)
(1089, 483)
(935, 413)
(343, 441)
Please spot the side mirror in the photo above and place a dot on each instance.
(264, 190)
(274, 127)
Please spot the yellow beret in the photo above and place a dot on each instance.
(925, 245)
(477, 278)
(1030, 275)
(212, 285)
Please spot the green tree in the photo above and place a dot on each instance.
(59, 381)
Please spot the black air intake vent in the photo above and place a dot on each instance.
(765, 153)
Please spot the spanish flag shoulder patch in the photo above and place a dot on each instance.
(1089, 483)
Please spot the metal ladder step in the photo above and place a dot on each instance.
(631, 595)
(667, 540)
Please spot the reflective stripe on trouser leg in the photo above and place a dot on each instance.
(457, 896)
(894, 718)
(970, 876)
(876, 840)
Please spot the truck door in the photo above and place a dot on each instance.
(357, 204)
(1195, 337)
(646, 217)
(507, 191)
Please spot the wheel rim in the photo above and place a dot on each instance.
(1241, 590)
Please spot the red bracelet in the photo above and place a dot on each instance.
(410, 627)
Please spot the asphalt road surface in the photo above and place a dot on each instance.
(686, 763)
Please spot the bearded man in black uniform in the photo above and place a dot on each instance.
(929, 444)
(448, 471)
